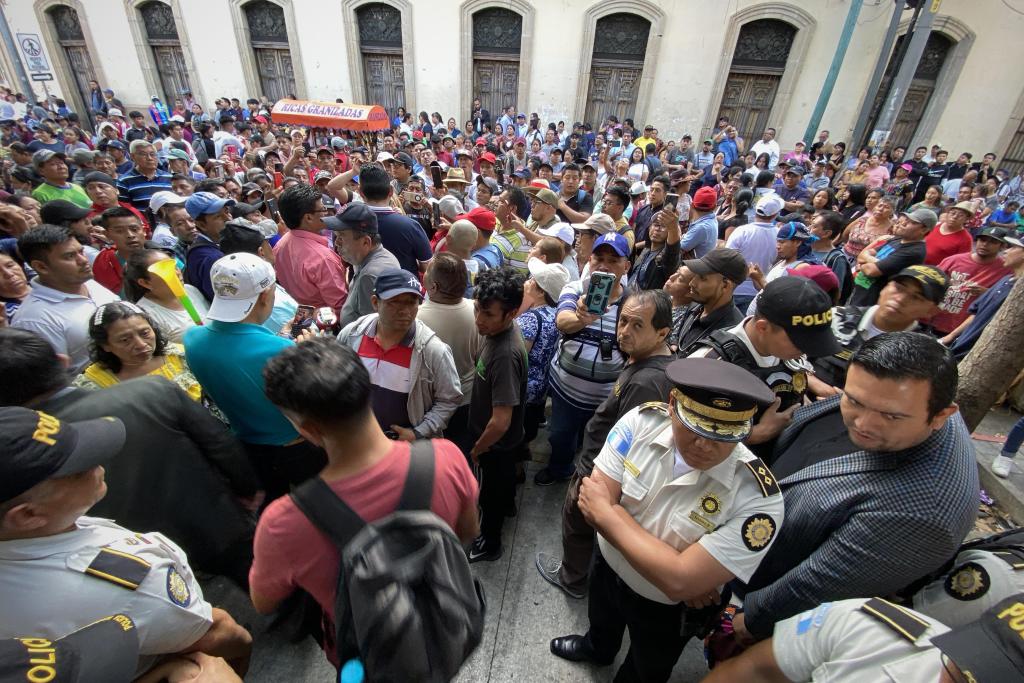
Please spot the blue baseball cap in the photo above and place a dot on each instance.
(396, 281)
(614, 240)
(202, 203)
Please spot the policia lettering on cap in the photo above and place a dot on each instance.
(681, 507)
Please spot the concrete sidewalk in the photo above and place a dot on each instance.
(988, 440)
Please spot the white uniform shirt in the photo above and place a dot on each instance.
(63, 319)
(48, 588)
(724, 509)
(978, 580)
(837, 641)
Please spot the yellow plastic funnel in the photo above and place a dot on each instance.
(167, 270)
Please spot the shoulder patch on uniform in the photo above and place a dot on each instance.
(967, 582)
(899, 619)
(1014, 558)
(758, 531)
(120, 568)
(659, 406)
(177, 588)
(763, 475)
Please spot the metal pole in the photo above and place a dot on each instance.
(833, 71)
(900, 84)
(15, 55)
(876, 77)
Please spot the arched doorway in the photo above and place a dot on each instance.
(75, 55)
(920, 91)
(757, 67)
(268, 35)
(168, 58)
(616, 67)
(497, 42)
(380, 44)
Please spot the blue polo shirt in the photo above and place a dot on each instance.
(228, 361)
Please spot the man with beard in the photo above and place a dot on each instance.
(715, 278)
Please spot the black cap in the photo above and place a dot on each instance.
(934, 281)
(728, 263)
(98, 177)
(804, 311)
(998, 234)
(242, 209)
(249, 188)
(714, 399)
(396, 281)
(354, 216)
(405, 159)
(62, 212)
(38, 446)
(991, 648)
(435, 139)
(106, 651)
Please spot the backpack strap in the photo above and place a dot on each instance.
(418, 491)
(328, 513)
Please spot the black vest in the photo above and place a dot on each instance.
(845, 321)
(789, 385)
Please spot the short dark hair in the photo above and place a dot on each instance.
(621, 195)
(659, 299)
(374, 182)
(182, 176)
(449, 273)
(108, 314)
(319, 379)
(912, 355)
(115, 212)
(35, 243)
(649, 148)
(209, 185)
(518, 199)
(503, 285)
(570, 167)
(833, 222)
(297, 201)
(30, 367)
(238, 238)
(764, 179)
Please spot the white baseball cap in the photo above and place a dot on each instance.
(385, 156)
(551, 277)
(162, 198)
(238, 280)
(770, 205)
(562, 231)
(114, 111)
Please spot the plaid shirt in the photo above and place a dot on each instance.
(865, 523)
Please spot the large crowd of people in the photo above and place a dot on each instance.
(745, 356)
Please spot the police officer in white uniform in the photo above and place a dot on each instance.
(62, 570)
(681, 508)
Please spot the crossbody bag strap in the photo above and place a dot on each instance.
(328, 513)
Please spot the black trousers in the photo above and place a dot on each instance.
(655, 640)
(457, 430)
(497, 492)
(281, 467)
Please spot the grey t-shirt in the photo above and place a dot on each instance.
(500, 381)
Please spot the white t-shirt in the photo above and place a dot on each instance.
(172, 322)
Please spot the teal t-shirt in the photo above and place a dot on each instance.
(228, 361)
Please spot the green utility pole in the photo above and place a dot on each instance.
(833, 71)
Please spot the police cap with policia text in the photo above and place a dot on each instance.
(992, 648)
(803, 310)
(37, 447)
(106, 651)
(716, 400)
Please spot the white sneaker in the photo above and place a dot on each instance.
(1002, 465)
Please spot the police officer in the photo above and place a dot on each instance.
(792, 322)
(681, 508)
(912, 294)
(62, 570)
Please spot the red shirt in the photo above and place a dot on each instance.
(963, 270)
(289, 552)
(108, 270)
(941, 246)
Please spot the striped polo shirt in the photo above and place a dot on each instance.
(137, 189)
(390, 378)
(514, 248)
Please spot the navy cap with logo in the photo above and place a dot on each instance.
(405, 159)
(106, 651)
(38, 446)
(354, 216)
(714, 399)
(804, 311)
(991, 648)
(396, 281)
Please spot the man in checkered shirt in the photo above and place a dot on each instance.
(880, 485)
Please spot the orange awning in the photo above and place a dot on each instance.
(357, 117)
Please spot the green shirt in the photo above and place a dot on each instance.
(70, 192)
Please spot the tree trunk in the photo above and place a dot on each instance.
(995, 361)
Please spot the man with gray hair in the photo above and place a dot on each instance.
(139, 184)
(357, 241)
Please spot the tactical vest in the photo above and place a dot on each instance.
(832, 369)
(789, 385)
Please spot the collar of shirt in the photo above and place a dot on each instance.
(44, 546)
(381, 209)
(312, 236)
(407, 340)
(52, 295)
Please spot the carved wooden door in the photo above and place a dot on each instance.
(1013, 159)
(385, 80)
(497, 39)
(76, 56)
(496, 83)
(277, 79)
(162, 34)
(613, 90)
(380, 39)
(747, 101)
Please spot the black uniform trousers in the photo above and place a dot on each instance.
(654, 628)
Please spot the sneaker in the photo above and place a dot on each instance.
(480, 552)
(550, 567)
(1002, 465)
(545, 478)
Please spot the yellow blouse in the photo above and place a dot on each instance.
(174, 368)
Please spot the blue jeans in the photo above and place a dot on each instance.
(565, 434)
(1014, 439)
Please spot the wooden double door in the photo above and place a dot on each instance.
(748, 101)
(384, 80)
(277, 76)
(613, 90)
(496, 83)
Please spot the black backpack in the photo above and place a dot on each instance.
(406, 604)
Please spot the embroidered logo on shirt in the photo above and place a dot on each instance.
(968, 582)
(710, 504)
(177, 588)
(757, 532)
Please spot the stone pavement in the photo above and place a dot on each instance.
(988, 441)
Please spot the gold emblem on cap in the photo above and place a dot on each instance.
(721, 403)
(967, 582)
(710, 504)
(758, 531)
(711, 412)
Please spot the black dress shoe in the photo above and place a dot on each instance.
(576, 649)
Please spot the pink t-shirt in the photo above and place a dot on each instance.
(289, 552)
(877, 176)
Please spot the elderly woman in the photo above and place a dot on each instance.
(14, 285)
(125, 344)
(874, 223)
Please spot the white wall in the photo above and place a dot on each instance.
(690, 56)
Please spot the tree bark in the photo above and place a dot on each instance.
(995, 361)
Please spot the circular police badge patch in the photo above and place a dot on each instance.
(799, 382)
(177, 588)
(710, 504)
(968, 582)
(758, 531)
